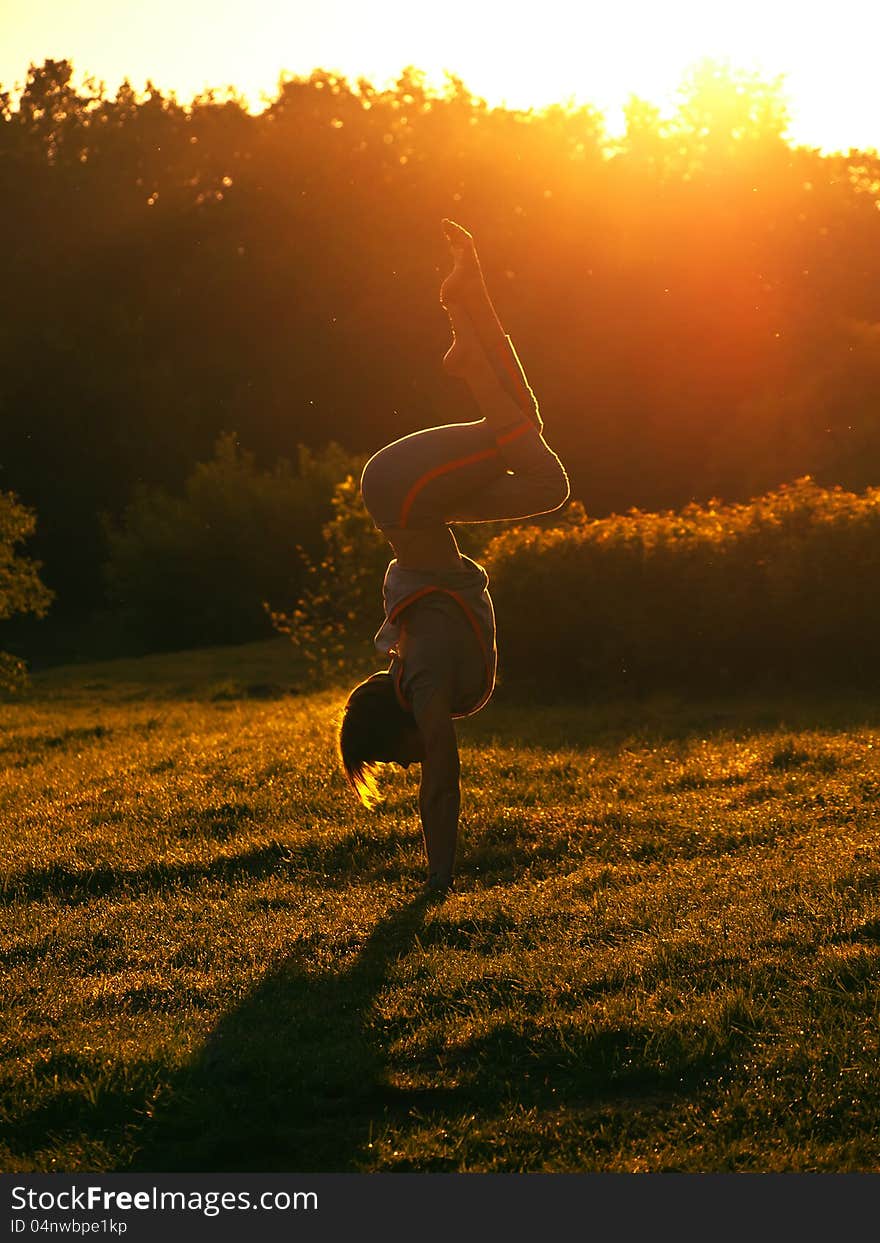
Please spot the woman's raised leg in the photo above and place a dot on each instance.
(531, 479)
(499, 467)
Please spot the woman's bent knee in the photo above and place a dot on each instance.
(558, 489)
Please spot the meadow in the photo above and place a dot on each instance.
(661, 954)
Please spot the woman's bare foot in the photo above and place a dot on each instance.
(465, 289)
(481, 353)
(466, 265)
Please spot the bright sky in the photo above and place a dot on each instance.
(525, 55)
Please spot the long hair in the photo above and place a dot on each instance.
(373, 724)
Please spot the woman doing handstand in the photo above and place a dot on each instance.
(439, 628)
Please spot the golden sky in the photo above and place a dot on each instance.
(525, 55)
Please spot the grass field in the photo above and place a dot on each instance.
(662, 955)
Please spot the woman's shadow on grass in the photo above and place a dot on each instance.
(299, 1076)
(290, 1079)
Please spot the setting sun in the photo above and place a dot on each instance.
(522, 55)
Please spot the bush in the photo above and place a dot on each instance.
(785, 589)
(21, 590)
(199, 569)
(340, 608)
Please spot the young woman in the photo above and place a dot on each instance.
(439, 628)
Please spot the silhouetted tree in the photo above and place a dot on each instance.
(21, 590)
(199, 568)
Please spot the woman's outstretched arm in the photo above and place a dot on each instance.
(440, 789)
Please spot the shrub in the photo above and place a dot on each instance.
(21, 590)
(784, 589)
(198, 569)
(340, 607)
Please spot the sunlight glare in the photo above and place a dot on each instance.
(522, 55)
